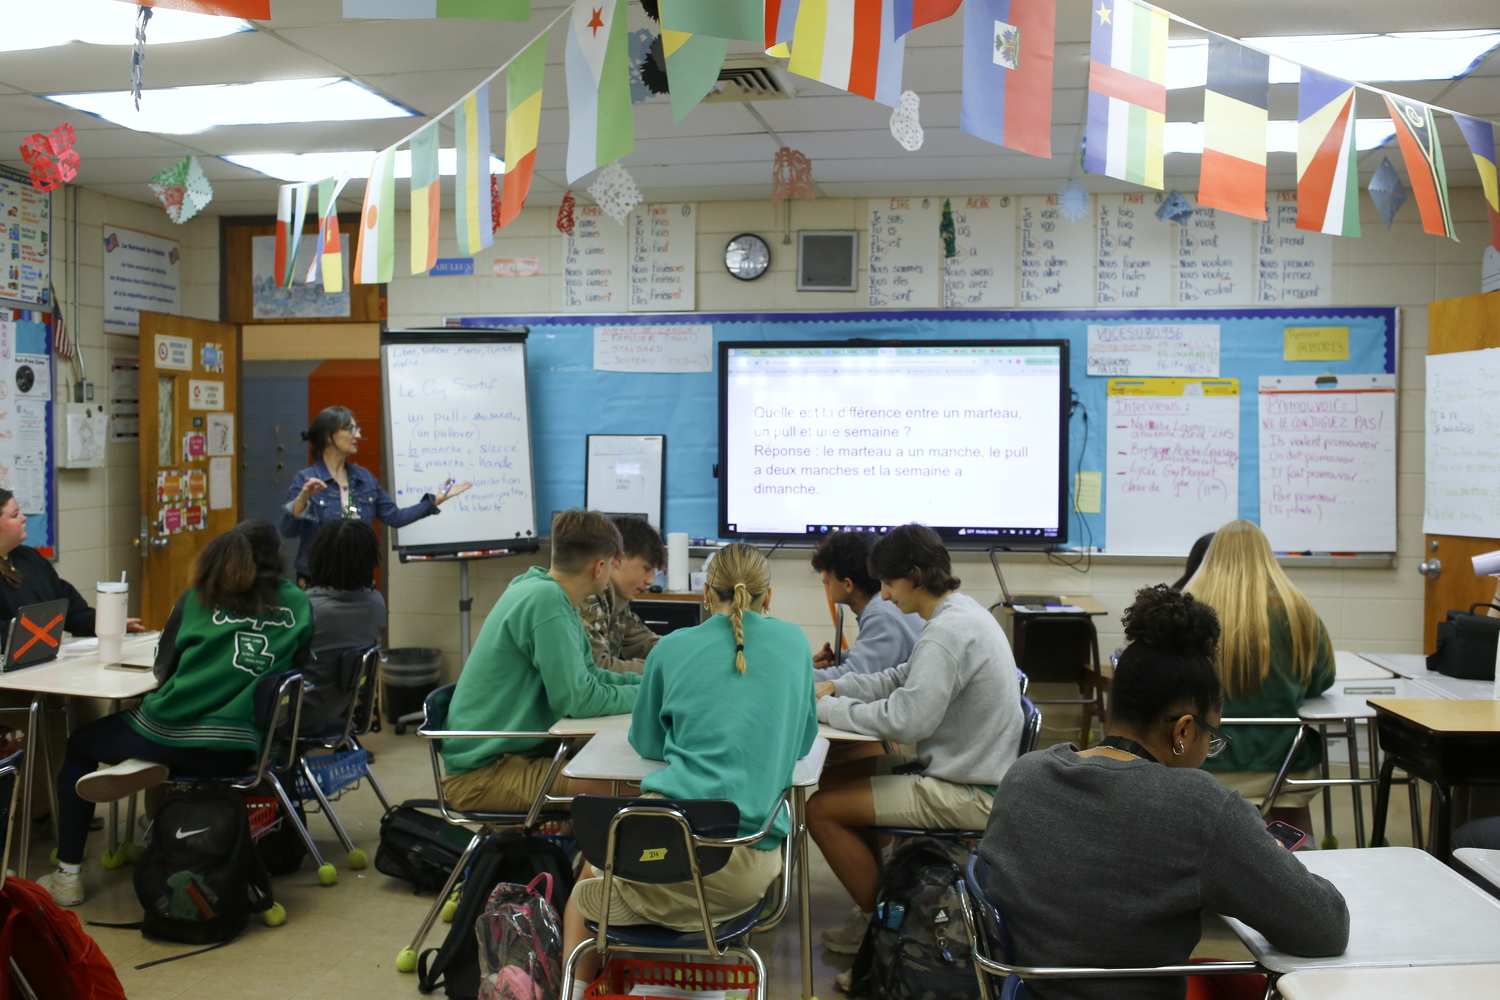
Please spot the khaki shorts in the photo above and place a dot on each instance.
(1253, 786)
(922, 801)
(508, 784)
(732, 890)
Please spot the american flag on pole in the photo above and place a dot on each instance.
(62, 343)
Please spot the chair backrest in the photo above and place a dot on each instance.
(278, 711)
(1031, 731)
(435, 711)
(10, 769)
(362, 709)
(654, 848)
(1023, 680)
(991, 936)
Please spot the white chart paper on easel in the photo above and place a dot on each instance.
(625, 474)
(1173, 465)
(1328, 462)
(1463, 426)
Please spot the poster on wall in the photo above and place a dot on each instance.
(124, 398)
(25, 239)
(298, 301)
(141, 273)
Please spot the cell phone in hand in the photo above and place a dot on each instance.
(1286, 834)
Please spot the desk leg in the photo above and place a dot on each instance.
(112, 838)
(1327, 789)
(1356, 790)
(28, 771)
(1382, 800)
(804, 889)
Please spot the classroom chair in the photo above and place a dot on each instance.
(278, 710)
(992, 951)
(10, 774)
(1050, 646)
(340, 738)
(434, 730)
(623, 837)
(1030, 734)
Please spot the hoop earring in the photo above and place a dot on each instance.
(1177, 750)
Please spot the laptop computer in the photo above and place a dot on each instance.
(35, 635)
(1025, 600)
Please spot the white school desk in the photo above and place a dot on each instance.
(1444, 919)
(604, 723)
(1485, 864)
(609, 756)
(1401, 664)
(76, 672)
(1457, 981)
(1349, 666)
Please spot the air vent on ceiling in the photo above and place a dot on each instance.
(752, 78)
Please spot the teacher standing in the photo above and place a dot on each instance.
(334, 487)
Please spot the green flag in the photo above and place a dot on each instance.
(742, 19)
(693, 64)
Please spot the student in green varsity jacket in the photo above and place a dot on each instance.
(240, 621)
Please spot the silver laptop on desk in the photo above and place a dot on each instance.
(1025, 600)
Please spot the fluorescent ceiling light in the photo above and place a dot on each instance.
(1413, 55)
(40, 25)
(186, 110)
(1281, 136)
(301, 168)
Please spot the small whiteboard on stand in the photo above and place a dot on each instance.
(627, 474)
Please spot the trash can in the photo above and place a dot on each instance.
(407, 676)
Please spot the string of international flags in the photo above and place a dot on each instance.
(859, 46)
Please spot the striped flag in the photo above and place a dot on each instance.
(1007, 88)
(259, 10)
(780, 21)
(471, 212)
(743, 19)
(62, 344)
(1480, 135)
(291, 208)
(597, 58)
(1127, 92)
(425, 205)
(851, 45)
(375, 258)
(693, 64)
(330, 255)
(1236, 107)
(489, 10)
(911, 14)
(523, 117)
(1327, 164)
(1416, 128)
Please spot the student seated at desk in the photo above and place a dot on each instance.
(763, 668)
(1274, 655)
(886, 635)
(348, 613)
(1108, 857)
(26, 577)
(240, 621)
(618, 637)
(957, 698)
(531, 665)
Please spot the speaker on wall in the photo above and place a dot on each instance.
(827, 261)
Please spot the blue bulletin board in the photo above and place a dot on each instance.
(36, 481)
(570, 400)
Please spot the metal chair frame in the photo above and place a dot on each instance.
(356, 724)
(691, 842)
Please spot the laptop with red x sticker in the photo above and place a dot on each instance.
(35, 634)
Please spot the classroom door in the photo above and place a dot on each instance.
(189, 450)
(1469, 323)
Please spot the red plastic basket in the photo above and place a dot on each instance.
(265, 814)
(623, 974)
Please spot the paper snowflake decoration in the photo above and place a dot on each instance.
(565, 221)
(52, 158)
(1073, 201)
(614, 191)
(182, 189)
(1387, 191)
(904, 124)
(1175, 209)
(791, 176)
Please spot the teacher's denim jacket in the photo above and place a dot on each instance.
(365, 495)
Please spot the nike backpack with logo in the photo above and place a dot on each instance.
(200, 876)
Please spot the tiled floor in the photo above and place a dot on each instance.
(340, 943)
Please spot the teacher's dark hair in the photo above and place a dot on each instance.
(240, 571)
(325, 425)
(344, 556)
(8, 572)
(914, 552)
(1168, 666)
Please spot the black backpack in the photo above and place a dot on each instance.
(200, 878)
(1466, 645)
(917, 947)
(418, 847)
(511, 858)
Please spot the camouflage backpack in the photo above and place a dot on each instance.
(916, 947)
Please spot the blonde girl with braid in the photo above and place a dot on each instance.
(728, 704)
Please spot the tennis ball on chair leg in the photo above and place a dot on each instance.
(358, 859)
(275, 916)
(406, 961)
(327, 874)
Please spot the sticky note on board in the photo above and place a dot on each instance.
(1316, 343)
(1088, 487)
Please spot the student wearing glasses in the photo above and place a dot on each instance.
(1274, 655)
(1107, 857)
(334, 487)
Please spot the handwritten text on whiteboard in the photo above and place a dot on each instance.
(653, 348)
(1154, 350)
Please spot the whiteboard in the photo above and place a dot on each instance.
(626, 473)
(1463, 426)
(456, 405)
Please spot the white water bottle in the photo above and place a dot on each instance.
(111, 606)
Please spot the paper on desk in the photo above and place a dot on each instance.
(1065, 609)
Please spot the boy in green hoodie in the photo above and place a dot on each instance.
(532, 665)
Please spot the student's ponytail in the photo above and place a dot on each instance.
(740, 576)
